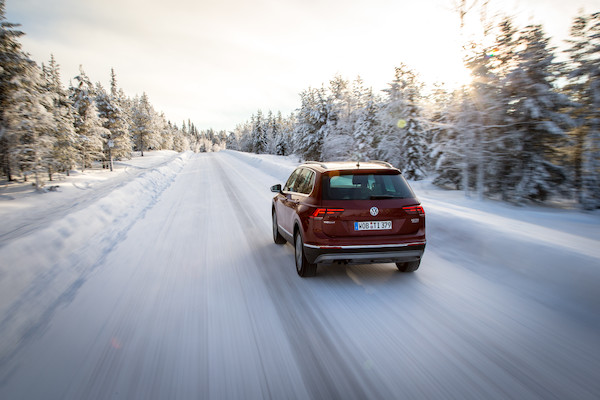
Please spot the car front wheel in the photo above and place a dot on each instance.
(303, 267)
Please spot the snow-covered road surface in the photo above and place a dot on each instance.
(192, 299)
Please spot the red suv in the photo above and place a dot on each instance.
(349, 212)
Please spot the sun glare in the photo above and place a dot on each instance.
(452, 74)
(457, 76)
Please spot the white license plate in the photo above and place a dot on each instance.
(372, 225)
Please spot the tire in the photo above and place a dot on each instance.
(303, 267)
(410, 266)
(277, 238)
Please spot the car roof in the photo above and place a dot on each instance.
(349, 165)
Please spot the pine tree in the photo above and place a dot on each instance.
(13, 65)
(481, 121)
(403, 135)
(29, 121)
(365, 130)
(118, 143)
(180, 140)
(259, 133)
(337, 131)
(311, 119)
(144, 126)
(584, 89)
(447, 149)
(88, 126)
(500, 141)
(281, 139)
(167, 133)
(65, 152)
(244, 134)
(540, 123)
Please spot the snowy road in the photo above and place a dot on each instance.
(196, 301)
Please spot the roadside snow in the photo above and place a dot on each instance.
(45, 263)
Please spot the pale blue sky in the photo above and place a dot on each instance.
(218, 61)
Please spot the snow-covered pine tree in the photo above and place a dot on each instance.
(540, 122)
(364, 134)
(90, 141)
(403, 136)
(29, 123)
(233, 139)
(447, 149)
(281, 145)
(65, 153)
(287, 127)
(584, 88)
(220, 141)
(180, 140)
(143, 125)
(13, 63)
(271, 132)
(244, 138)
(500, 141)
(107, 114)
(118, 144)
(337, 131)
(482, 121)
(260, 143)
(167, 133)
(311, 118)
(206, 138)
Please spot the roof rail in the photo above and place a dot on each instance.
(316, 163)
(387, 164)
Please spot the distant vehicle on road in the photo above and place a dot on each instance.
(349, 212)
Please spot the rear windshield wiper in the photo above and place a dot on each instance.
(383, 196)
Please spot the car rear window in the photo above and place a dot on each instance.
(353, 186)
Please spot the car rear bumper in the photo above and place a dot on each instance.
(367, 254)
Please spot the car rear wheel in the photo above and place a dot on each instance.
(410, 266)
(303, 267)
(277, 238)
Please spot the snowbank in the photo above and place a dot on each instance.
(43, 268)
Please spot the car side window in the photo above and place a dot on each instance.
(311, 182)
(305, 181)
(291, 182)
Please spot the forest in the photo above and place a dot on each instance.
(46, 129)
(526, 129)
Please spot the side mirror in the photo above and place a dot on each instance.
(276, 188)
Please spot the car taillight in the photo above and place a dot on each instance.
(414, 210)
(321, 212)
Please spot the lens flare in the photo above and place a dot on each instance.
(493, 53)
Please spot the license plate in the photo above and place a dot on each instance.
(372, 225)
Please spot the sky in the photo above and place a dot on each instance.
(216, 62)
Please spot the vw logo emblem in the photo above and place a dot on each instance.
(374, 211)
